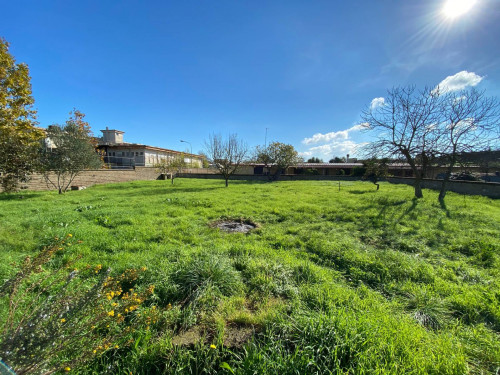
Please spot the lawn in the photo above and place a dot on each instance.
(332, 281)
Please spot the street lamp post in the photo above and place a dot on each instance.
(191, 157)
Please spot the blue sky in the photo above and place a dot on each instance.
(163, 70)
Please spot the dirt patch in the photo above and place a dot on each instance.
(235, 225)
(236, 337)
(188, 338)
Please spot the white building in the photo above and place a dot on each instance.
(120, 154)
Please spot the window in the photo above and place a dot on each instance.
(141, 153)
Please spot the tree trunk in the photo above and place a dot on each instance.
(227, 179)
(418, 189)
(172, 178)
(416, 172)
(442, 191)
(60, 190)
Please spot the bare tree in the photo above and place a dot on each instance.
(225, 154)
(405, 126)
(470, 122)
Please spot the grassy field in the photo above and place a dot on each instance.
(350, 281)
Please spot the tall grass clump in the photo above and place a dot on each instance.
(206, 275)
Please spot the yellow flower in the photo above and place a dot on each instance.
(213, 346)
(94, 351)
(63, 320)
(116, 346)
(70, 235)
(111, 313)
(67, 369)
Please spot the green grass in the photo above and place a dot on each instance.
(356, 281)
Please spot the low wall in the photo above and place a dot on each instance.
(93, 177)
(106, 176)
(488, 189)
(283, 177)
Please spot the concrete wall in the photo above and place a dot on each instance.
(488, 189)
(283, 177)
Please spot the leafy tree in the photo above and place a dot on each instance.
(315, 160)
(375, 170)
(19, 138)
(69, 150)
(171, 166)
(226, 154)
(263, 155)
(406, 126)
(336, 159)
(279, 155)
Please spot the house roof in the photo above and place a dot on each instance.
(113, 130)
(333, 165)
(146, 147)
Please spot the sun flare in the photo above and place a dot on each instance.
(455, 8)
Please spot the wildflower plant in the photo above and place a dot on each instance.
(60, 317)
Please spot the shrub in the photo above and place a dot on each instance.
(64, 318)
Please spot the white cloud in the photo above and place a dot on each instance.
(335, 148)
(377, 102)
(332, 136)
(337, 143)
(305, 154)
(459, 81)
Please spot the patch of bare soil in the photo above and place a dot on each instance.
(235, 225)
(236, 337)
(188, 338)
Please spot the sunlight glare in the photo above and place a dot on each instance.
(455, 8)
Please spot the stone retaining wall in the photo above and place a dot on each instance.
(101, 176)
